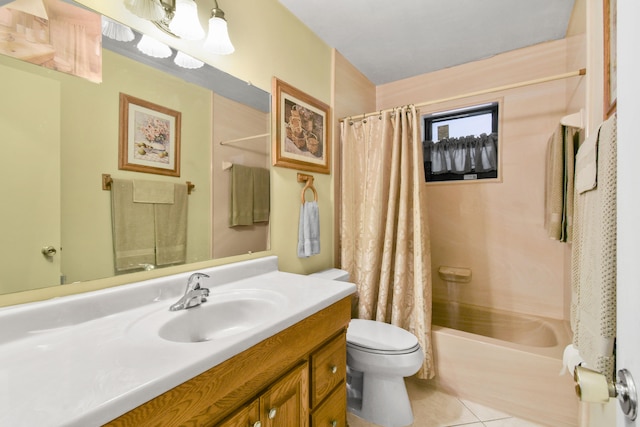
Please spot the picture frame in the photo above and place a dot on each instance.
(610, 57)
(302, 138)
(149, 138)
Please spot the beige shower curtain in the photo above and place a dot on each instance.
(384, 230)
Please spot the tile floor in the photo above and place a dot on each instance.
(434, 408)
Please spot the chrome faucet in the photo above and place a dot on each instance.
(194, 295)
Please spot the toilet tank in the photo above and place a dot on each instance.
(333, 274)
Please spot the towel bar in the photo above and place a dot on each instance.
(309, 185)
(107, 180)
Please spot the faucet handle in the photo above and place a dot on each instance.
(194, 280)
(197, 276)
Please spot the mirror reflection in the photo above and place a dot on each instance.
(61, 134)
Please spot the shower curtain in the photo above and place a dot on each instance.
(384, 230)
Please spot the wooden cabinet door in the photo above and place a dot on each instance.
(248, 416)
(333, 411)
(328, 369)
(286, 403)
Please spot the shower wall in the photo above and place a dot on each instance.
(497, 228)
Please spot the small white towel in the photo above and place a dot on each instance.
(309, 230)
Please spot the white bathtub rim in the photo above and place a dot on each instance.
(550, 352)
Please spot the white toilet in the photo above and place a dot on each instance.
(379, 356)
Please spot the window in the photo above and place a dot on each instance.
(461, 144)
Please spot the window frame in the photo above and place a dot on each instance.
(464, 110)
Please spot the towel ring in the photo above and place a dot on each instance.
(309, 185)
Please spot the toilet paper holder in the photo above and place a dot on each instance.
(592, 386)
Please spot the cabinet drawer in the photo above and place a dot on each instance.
(328, 368)
(333, 412)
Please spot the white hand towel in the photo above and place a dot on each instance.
(309, 230)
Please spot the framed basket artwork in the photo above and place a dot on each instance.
(149, 137)
(302, 137)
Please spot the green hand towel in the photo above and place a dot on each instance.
(261, 195)
(241, 206)
(171, 228)
(133, 223)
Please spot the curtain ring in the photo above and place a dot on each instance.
(364, 118)
(350, 121)
(380, 115)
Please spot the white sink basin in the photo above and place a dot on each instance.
(221, 316)
(226, 313)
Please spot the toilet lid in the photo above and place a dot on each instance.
(379, 337)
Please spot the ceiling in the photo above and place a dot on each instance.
(393, 40)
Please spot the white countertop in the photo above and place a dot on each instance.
(86, 359)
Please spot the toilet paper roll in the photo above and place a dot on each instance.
(570, 359)
(591, 386)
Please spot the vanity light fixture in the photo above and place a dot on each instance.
(152, 47)
(179, 18)
(116, 31)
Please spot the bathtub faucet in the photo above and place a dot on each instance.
(194, 295)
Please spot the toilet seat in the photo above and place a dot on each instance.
(380, 338)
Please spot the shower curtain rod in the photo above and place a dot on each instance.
(580, 72)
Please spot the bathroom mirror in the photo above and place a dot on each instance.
(61, 136)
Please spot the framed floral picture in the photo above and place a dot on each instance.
(149, 137)
(302, 139)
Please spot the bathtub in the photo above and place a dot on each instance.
(507, 361)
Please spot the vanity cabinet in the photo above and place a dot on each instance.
(328, 388)
(284, 404)
(300, 372)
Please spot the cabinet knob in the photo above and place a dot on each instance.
(272, 413)
(334, 369)
(257, 424)
(334, 423)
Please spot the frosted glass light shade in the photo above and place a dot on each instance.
(152, 47)
(185, 23)
(146, 9)
(185, 61)
(116, 31)
(218, 40)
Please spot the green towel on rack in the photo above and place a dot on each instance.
(241, 205)
(133, 228)
(260, 194)
(171, 228)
